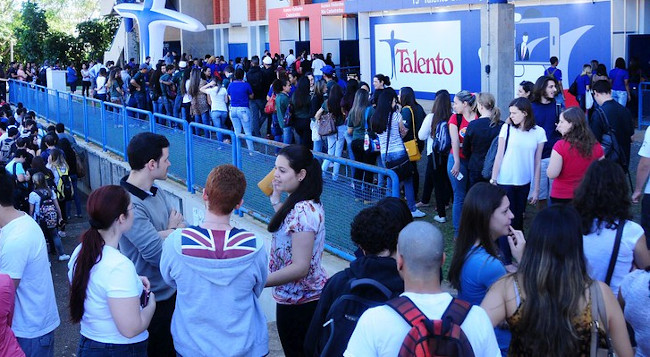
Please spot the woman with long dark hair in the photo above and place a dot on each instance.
(352, 86)
(603, 201)
(517, 165)
(387, 123)
(316, 101)
(412, 113)
(105, 290)
(435, 177)
(239, 94)
(336, 140)
(298, 228)
(620, 82)
(571, 155)
(358, 118)
(465, 112)
(548, 302)
(476, 265)
(199, 107)
(300, 99)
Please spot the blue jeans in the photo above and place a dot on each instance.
(517, 195)
(348, 144)
(157, 105)
(177, 106)
(409, 191)
(219, 121)
(287, 134)
(141, 99)
(42, 346)
(335, 148)
(77, 203)
(168, 106)
(459, 187)
(204, 119)
(257, 115)
(620, 96)
(240, 117)
(91, 348)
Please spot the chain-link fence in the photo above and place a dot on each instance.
(196, 148)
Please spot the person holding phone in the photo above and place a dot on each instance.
(476, 263)
(105, 290)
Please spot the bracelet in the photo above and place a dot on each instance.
(275, 203)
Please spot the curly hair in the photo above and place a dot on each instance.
(603, 196)
(580, 136)
(376, 228)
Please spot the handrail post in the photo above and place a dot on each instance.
(47, 104)
(125, 131)
(85, 110)
(103, 124)
(70, 113)
(57, 105)
(188, 161)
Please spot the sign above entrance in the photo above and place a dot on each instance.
(352, 6)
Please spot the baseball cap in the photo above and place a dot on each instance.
(182, 64)
(144, 66)
(328, 70)
(267, 60)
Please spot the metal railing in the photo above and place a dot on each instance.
(195, 150)
(644, 104)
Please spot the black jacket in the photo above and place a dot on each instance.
(620, 119)
(255, 78)
(382, 269)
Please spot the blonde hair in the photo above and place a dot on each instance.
(488, 102)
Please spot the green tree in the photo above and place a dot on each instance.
(96, 35)
(8, 17)
(31, 32)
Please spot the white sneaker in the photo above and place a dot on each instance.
(62, 234)
(418, 214)
(64, 257)
(440, 219)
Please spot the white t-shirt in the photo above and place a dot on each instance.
(35, 200)
(23, 255)
(644, 151)
(113, 276)
(598, 247)
(635, 291)
(381, 331)
(101, 85)
(518, 164)
(187, 97)
(218, 98)
(316, 66)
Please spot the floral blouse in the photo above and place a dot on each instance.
(306, 216)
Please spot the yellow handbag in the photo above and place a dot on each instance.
(411, 146)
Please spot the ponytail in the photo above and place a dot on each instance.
(310, 188)
(90, 253)
(495, 118)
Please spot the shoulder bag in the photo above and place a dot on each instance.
(370, 139)
(402, 166)
(412, 145)
(269, 108)
(598, 319)
(326, 124)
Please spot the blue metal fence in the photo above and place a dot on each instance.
(644, 104)
(195, 149)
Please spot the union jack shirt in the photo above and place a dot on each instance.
(217, 244)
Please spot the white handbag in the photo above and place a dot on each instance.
(313, 125)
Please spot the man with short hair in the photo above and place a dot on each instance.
(177, 79)
(61, 133)
(154, 220)
(138, 82)
(23, 256)
(290, 59)
(547, 114)
(166, 89)
(50, 141)
(618, 117)
(255, 77)
(420, 254)
(218, 284)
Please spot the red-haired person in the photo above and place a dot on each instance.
(219, 272)
(109, 299)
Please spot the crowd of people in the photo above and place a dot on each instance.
(143, 281)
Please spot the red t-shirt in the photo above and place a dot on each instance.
(574, 167)
(461, 131)
(8, 344)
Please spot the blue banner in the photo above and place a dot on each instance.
(352, 6)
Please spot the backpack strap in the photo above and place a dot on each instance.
(456, 311)
(371, 282)
(407, 309)
(617, 246)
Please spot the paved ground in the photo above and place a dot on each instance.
(67, 335)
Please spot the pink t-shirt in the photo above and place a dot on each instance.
(8, 344)
(574, 167)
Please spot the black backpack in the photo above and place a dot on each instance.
(6, 150)
(343, 315)
(47, 216)
(611, 147)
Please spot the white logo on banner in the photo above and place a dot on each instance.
(422, 55)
